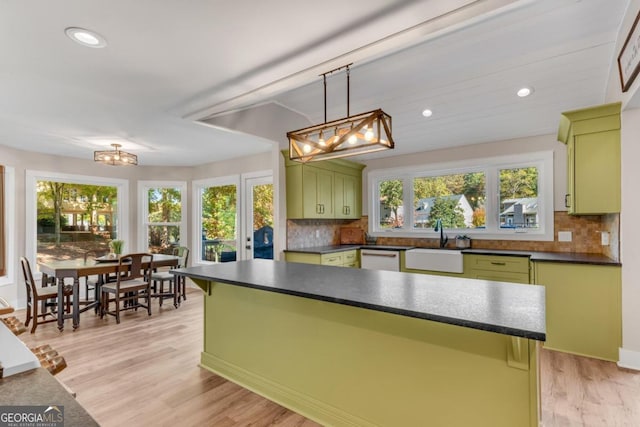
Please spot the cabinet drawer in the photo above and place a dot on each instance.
(332, 259)
(500, 276)
(497, 263)
(350, 257)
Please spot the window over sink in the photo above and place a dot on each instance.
(508, 197)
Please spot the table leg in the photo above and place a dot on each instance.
(60, 304)
(76, 303)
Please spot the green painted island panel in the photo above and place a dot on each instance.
(346, 366)
(583, 307)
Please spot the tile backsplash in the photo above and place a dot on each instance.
(586, 235)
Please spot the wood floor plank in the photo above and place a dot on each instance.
(144, 372)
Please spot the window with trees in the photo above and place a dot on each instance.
(164, 218)
(218, 219)
(74, 218)
(503, 196)
(69, 215)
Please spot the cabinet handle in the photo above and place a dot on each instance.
(382, 255)
(348, 210)
(318, 208)
(322, 207)
(498, 263)
(566, 201)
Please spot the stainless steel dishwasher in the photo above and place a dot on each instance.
(378, 259)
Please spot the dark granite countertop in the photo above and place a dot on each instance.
(564, 257)
(38, 387)
(341, 248)
(505, 308)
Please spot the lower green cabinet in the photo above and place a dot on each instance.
(497, 268)
(341, 259)
(584, 309)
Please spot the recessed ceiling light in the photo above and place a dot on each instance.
(85, 37)
(427, 113)
(525, 91)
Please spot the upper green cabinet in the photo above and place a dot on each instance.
(327, 189)
(592, 136)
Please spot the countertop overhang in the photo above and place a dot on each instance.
(505, 308)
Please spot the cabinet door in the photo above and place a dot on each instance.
(317, 193)
(583, 308)
(596, 173)
(345, 191)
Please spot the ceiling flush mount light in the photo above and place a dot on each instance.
(115, 157)
(524, 92)
(427, 113)
(85, 37)
(350, 136)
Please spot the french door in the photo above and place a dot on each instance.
(257, 216)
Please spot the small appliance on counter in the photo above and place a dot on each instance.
(351, 236)
(463, 242)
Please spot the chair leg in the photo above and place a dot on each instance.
(117, 308)
(26, 323)
(149, 300)
(35, 317)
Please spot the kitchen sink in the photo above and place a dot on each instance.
(444, 260)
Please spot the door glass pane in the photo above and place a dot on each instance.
(263, 221)
(519, 198)
(456, 199)
(74, 218)
(391, 209)
(219, 222)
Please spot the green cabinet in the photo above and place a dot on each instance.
(584, 309)
(317, 193)
(341, 259)
(347, 196)
(330, 189)
(592, 136)
(497, 268)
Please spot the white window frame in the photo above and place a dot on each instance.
(143, 209)
(543, 160)
(31, 212)
(197, 187)
(9, 277)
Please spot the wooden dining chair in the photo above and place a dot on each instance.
(45, 296)
(133, 283)
(174, 283)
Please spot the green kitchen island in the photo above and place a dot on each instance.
(350, 347)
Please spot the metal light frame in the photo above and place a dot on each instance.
(115, 157)
(350, 136)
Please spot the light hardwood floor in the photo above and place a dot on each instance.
(144, 372)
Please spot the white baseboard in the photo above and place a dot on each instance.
(629, 359)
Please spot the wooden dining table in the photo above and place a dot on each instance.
(77, 268)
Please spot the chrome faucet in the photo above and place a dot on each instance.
(443, 237)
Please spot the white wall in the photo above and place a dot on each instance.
(629, 225)
(629, 237)
(491, 149)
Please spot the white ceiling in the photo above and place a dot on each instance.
(170, 63)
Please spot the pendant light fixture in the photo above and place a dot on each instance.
(115, 157)
(350, 136)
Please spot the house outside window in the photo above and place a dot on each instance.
(508, 197)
